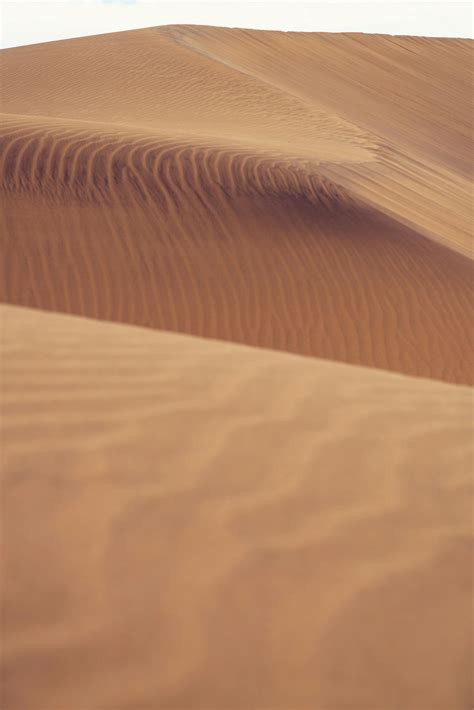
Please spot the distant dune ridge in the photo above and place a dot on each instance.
(190, 523)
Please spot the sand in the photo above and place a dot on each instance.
(170, 186)
(195, 524)
(237, 447)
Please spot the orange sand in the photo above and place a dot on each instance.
(194, 524)
(153, 177)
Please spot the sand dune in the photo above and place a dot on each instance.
(191, 523)
(344, 97)
(305, 546)
(412, 94)
(171, 187)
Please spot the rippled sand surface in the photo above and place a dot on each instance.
(237, 447)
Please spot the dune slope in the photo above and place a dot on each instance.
(183, 184)
(227, 527)
(412, 94)
(194, 515)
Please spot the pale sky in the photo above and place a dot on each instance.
(32, 21)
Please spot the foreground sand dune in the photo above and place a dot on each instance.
(216, 526)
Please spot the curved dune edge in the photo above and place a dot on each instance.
(212, 525)
(223, 241)
(61, 157)
(64, 160)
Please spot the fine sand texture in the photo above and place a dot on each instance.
(194, 524)
(229, 184)
(236, 416)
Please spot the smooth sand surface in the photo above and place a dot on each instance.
(194, 516)
(151, 178)
(197, 524)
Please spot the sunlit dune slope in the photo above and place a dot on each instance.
(232, 184)
(197, 524)
(412, 94)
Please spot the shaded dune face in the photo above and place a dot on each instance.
(224, 242)
(228, 527)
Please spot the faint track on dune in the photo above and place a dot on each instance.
(421, 172)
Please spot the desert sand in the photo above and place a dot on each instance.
(215, 183)
(237, 447)
(196, 524)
